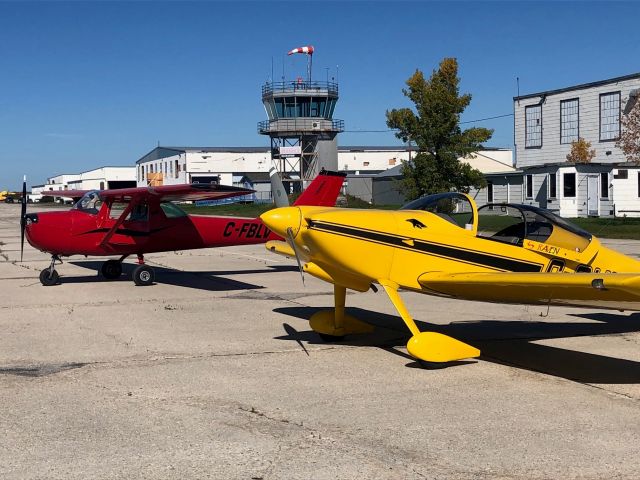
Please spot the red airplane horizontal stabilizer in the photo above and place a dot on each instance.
(323, 191)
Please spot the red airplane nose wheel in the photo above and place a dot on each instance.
(143, 275)
(49, 277)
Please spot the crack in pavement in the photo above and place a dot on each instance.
(44, 369)
(40, 370)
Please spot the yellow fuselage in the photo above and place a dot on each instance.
(355, 248)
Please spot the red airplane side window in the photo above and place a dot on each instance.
(139, 212)
(172, 211)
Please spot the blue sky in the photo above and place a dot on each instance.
(86, 84)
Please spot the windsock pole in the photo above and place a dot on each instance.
(307, 50)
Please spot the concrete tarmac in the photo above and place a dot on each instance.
(214, 373)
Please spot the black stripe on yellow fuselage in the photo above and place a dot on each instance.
(430, 248)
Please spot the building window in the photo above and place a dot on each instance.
(177, 168)
(552, 186)
(569, 130)
(533, 126)
(489, 192)
(609, 116)
(569, 185)
(529, 186)
(622, 174)
(604, 185)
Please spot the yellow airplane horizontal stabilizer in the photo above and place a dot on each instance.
(280, 247)
(436, 347)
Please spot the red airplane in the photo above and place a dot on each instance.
(135, 221)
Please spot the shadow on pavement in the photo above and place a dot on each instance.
(504, 342)
(202, 280)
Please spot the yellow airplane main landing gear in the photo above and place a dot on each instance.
(428, 346)
(333, 325)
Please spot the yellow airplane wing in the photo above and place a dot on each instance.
(619, 291)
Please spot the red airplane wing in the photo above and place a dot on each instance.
(323, 191)
(64, 193)
(192, 192)
(186, 192)
(195, 191)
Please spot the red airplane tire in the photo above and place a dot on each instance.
(49, 278)
(143, 276)
(111, 269)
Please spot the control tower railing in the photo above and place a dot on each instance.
(300, 125)
(293, 86)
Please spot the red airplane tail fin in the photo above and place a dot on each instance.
(323, 191)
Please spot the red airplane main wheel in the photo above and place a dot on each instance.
(49, 278)
(111, 269)
(143, 275)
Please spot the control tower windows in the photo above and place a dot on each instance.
(295, 107)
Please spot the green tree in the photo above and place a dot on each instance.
(435, 129)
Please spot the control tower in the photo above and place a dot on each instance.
(301, 126)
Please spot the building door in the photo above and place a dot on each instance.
(592, 196)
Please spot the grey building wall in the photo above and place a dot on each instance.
(360, 187)
(377, 190)
(385, 192)
(327, 150)
(507, 188)
(588, 95)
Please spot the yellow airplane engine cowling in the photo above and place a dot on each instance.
(335, 244)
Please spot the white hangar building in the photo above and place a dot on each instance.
(96, 179)
(249, 166)
(246, 166)
(186, 164)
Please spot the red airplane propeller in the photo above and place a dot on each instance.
(23, 213)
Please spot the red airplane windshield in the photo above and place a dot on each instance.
(89, 203)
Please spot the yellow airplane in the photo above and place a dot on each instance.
(444, 245)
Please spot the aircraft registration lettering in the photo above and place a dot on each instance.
(247, 230)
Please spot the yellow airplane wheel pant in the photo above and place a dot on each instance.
(436, 347)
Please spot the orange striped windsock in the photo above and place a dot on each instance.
(308, 50)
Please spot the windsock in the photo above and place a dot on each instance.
(308, 50)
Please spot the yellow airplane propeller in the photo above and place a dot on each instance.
(444, 245)
(292, 242)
